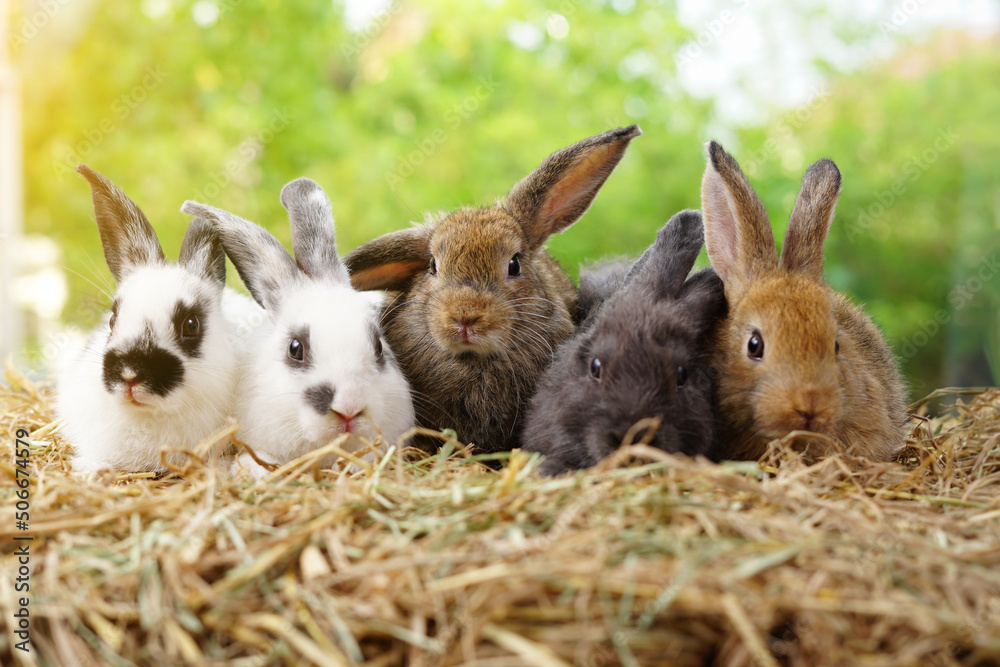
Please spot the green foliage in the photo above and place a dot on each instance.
(436, 104)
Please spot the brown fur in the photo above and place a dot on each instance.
(855, 396)
(481, 387)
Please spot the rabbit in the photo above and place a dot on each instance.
(320, 367)
(792, 355)
(478, 305)
(642, 354)
(160, 369)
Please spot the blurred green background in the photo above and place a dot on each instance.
(423, 105)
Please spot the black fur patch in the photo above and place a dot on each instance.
(155, 368)
(301, 335)
(182, 311)
(320, 398)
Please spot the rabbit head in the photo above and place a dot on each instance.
(479, 303)
(642, 356)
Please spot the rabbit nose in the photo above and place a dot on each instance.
(465, 325)
(348, 417)
(808, 419)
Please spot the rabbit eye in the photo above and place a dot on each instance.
(682, 376)
(514, 266)
(190, 328)
(595, 369)
(755, 346)
(836, 347)
(434, 267)
(378, 348)
(296, 350)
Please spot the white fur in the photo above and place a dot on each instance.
(109, 431)
(277, 420)
(282, 413)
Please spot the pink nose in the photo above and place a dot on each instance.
(466, 326)
(348, 419)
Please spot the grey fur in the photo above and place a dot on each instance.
(654, 323)
(202, 253)
(263, 263)
(313, 235)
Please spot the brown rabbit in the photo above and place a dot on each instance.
(792, 354)
(479, 306)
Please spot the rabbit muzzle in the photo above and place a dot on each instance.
(465, 323)
(141, 373)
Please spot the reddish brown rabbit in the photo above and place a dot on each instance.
(479, 306)
(793, 354)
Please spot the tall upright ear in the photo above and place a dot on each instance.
(391, 261)
(313, 232)
(812, 214)
(666, 264)
(202, 253)
(128, 239)
(561, 189)
(737, 232)
(264, 265)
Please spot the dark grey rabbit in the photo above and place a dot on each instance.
(642, 352)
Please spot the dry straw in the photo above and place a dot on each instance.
(661, 560)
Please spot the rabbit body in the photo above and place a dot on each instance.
(477, 305)
(160, 369)
(793, 355)
(318, 368)
(642, 354)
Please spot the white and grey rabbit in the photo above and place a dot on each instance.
(641, 353)
(321, 366)
(160, 369)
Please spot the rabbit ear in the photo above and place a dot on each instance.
(812, 214)
(264, 265)
(737, 232)
(128, 239)
(313, 239)
(703, 297)
(201, 251)
(561, 189)
(391, 261)
(666, 264)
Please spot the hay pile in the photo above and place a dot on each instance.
(666, 561)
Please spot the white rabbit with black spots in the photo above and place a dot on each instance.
(320, 367)
(160, 370)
